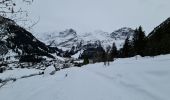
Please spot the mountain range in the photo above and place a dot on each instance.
(67, 43)
(69, 39)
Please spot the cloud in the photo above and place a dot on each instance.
(107, 15)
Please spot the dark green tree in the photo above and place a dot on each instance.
(86, 60)
(126, 50)
(113, 52)
(139, 41)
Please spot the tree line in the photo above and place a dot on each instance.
(139, 44)
(134, 46)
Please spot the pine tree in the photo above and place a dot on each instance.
(139, 41)
(126, 48)
(86, 60)
(113, 52)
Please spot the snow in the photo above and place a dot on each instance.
(77, 54)
(18, 73)
(78, 61)
(59, 39)
(125, 79)
(49, 70)
(12, 56)
(95, 36)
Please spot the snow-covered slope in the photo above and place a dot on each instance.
(65, 39)
(125, 79)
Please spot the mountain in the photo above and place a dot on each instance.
(65, 39)
(70, 39)
(159, 39)
(16, 40)
(122, 33)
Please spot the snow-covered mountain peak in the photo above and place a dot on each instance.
(67, 32)
(59, 38)
(122, 33)
(95, 36)
(70, 40)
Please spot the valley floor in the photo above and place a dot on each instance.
(125, 79)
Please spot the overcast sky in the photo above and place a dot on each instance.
(106, 15)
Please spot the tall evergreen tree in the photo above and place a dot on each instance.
(113, 52)
(86, 60)
(139, 41)
(127, 50)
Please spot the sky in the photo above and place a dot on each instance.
(91, 15)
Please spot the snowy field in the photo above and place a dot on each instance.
(125, 79)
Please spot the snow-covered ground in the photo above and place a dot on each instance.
(125, 79)
(18, 73)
